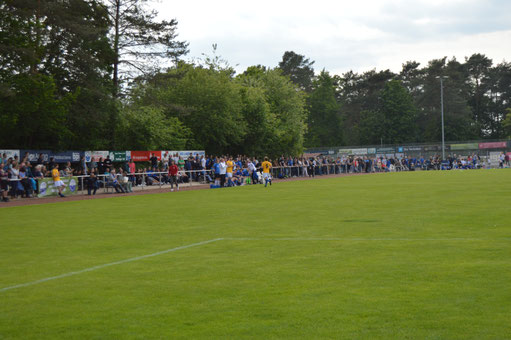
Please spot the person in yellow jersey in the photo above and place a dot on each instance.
(266, 171)
(57, 182)
(229, 170)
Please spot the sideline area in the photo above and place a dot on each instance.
(146, 190)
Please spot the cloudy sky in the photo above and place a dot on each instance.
(343, 35)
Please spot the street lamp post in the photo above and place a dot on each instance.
(442, 109)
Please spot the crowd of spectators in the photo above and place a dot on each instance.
(19, 176)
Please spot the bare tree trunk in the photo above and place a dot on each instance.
(116, 48)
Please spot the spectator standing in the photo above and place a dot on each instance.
(92, 184)
(173, 170)
(108, 163)
(14, 176)
(38, 174)
(181, 163)
(40, 159)
(52, 163)
(222, 170)
(83, 164)
(252, 171)
(154, 162)
(68, 169)
(216, 170)
(4, 183)
(101, 166)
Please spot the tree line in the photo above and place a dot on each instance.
(106, 74)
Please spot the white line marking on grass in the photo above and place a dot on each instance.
(108, 265)
(358, 239)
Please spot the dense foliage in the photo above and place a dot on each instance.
(105, 74)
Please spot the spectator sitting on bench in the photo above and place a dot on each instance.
(125, 181)
(113, 182)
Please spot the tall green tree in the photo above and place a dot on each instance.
(140, 42)
(275, 113)
(394, 121)
(324, 121)
(506, 123)
(289, 108)
(207, 101)
(62, 48)
(399, 114)
(359, 95)
(33, 115)
(458, 117)
(299, 69)
(148, 128)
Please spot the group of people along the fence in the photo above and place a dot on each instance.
(19, 177)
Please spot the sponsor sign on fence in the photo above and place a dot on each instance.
(465, 146)
(183, 154)
(385, 150)
(58, 157)
(46, 187)
(412, 148)
(119, 156)
(33, 155)
(361, 151)
(66, 156)
(94, 156)
(144, 156)
(433, 148)
(10, 153)
(492, 145)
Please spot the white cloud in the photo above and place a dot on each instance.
(341, 35)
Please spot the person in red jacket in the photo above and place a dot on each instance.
(173, 169)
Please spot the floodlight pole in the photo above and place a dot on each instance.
(442, 109)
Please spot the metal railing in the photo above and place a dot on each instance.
(145, 179)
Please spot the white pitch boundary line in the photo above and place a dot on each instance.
(358, 239)
(241, 239)
(108, 265)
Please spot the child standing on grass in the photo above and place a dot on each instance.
(56, 180)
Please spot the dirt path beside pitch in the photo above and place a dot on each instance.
(148, 191)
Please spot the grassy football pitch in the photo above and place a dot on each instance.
(423, 255)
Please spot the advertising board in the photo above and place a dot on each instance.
(46, 187)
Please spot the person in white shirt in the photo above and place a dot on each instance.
(223, 170)
(252, 171)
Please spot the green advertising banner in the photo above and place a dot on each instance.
(118, 156)
(465, 146)
(47, 189)
(388, 150)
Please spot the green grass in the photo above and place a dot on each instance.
(423, 255)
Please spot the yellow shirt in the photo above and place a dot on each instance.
(229, 166)
(55, 174)
(266, 167)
